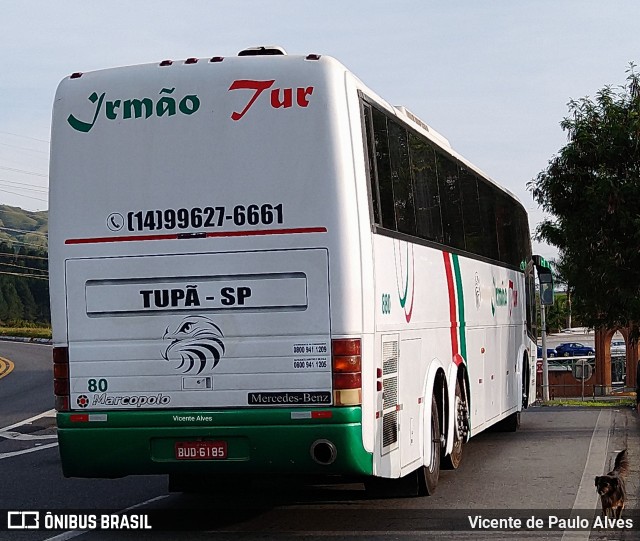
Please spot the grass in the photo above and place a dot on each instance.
(26, 332)
(613, 402)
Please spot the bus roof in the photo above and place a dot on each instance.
(277, 55)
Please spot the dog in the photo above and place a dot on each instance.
(611, 489)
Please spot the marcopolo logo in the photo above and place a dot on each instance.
(82, 401)
(131, 400)
(167, 104)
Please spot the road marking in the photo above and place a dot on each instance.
(76, 533)
(49, 413)
(9, 433)
(19, 436)
(6, 367)
(30, 450)
(587, 497)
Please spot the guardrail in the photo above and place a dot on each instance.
(560, 358)
(572, 376)
(596, 392)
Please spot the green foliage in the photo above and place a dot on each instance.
(24, 288)
(591, 189)
(557, 316)
(19, 227)
(27, 330)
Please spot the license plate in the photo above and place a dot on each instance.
(201, 450)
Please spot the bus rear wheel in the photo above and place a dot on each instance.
(428, 475)
(460, 430)
(510, 423)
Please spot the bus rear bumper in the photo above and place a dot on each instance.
(273, 441)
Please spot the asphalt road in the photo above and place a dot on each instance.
(546, 468)
(28, 389)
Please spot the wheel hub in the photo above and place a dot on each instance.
(462, 419)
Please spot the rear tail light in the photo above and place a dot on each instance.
(61, 378)
(347, 381)
(346, 357)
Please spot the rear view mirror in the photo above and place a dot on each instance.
(546, 289)
(545, 279)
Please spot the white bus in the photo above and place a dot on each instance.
(259, 266)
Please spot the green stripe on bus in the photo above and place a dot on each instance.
(131, 442)
(460, 294)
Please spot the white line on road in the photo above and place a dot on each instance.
(30, 450)
(586, 497)
(19, 436)
(7, 432)
(50, 413)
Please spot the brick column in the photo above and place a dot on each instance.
(603, 361)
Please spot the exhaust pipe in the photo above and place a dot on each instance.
(323, 452)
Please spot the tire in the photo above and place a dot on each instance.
(428, 475)
(526, 388)
(421, 482)
(509, 424)
(460, 429)
(404, 487)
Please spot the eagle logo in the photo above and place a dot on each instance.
(195, 343)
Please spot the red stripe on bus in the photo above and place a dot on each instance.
(452, 304)
(259, 232)
(216, 234)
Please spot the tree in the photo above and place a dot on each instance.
(29, 306)
(591, 189)
(12, 306)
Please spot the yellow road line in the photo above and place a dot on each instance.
(6, 366)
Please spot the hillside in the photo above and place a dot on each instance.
(24, 286)
(19, 227)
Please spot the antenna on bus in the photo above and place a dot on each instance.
(268, 50)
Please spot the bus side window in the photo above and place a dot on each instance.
(419, 190)
(383, 169)
(449, 182)
(403, 194)
(427, 195)
(487, 196)
(473, 237)
(371, 162)
(507, 231)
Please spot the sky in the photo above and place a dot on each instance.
(493, 77)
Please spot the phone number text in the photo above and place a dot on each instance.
(196, 218)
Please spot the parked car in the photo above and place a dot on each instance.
(618, 347)
(550, 352)
(574, 349)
